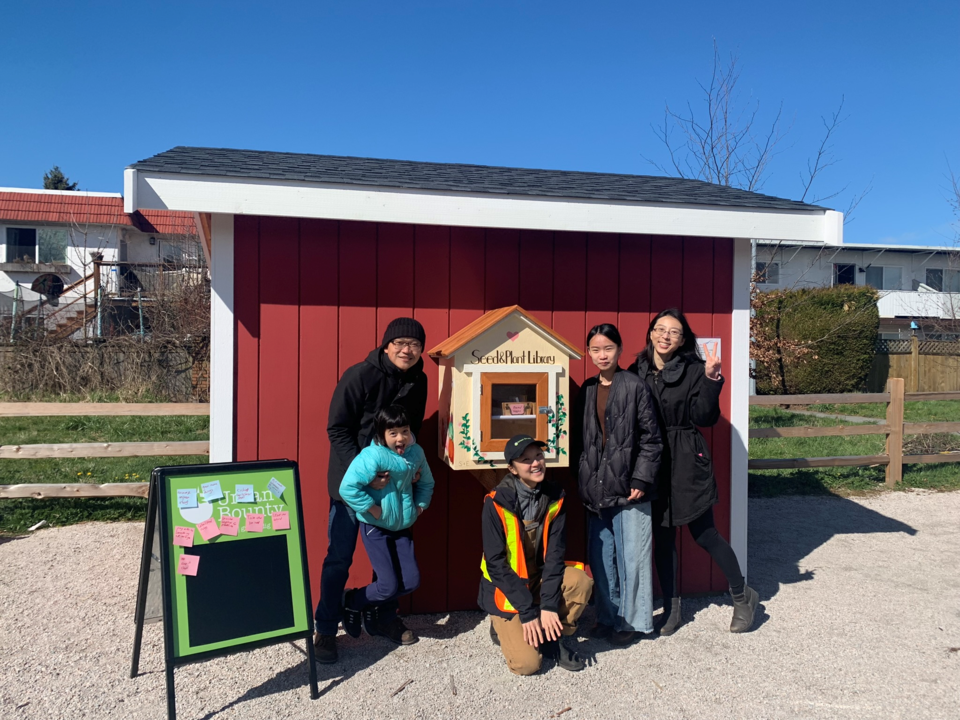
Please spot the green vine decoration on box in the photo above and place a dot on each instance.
(467, 443)
(559, 418)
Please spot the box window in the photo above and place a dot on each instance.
(768, 273)
(21, 245)
(510, 404)
(884, 278)
(29, 245)
(844, 274)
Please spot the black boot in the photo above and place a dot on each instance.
(565, 657)
(744, 608)
(493, 636)
(672, 618)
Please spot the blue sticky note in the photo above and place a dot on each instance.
(276, 487)
(187, 498)
(212, 491)
(244, 494)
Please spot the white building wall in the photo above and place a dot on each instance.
(813, 266)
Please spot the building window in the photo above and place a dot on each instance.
(885, 278)
(943, 280)
(510, 404)
(768, 273)
(21, 245)
(844, 274)
(29, 245)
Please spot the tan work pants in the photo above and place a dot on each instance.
(522, 659)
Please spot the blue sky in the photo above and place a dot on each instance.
(93, 87)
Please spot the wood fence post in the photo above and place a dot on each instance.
(895, 431)
(914, 364)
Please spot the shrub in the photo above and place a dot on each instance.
(819, 340)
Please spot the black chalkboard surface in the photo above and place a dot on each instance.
(233, 562)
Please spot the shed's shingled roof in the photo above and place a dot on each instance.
(456, 178)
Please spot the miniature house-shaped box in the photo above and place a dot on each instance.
(503, 374)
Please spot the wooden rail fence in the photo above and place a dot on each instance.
(80, 450)
(894, 428)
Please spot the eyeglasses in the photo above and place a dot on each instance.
(528, 461)
(414, 345)
(673, 333)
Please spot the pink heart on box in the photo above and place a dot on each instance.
(512, 336)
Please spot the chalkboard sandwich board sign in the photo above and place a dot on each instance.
(233, 562)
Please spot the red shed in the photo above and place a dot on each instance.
(313, 255)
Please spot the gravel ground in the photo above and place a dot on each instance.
(859, 620)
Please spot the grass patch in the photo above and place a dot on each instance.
(843, 480)
(17, 515)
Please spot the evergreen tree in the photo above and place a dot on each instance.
(56, 180)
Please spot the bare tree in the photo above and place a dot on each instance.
(723, 140)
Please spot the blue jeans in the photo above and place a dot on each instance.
(342, 530)
(395, 570)
(621, 540)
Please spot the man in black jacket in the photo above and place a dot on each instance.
(391, 374)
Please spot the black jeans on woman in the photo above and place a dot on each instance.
(705, 534)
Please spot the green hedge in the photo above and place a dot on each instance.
(839, 326)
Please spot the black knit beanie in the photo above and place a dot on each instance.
(404, 328)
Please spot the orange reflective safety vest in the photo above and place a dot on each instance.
(516, 559)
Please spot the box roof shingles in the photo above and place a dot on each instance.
(332, 169)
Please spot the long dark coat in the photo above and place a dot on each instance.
(631, 456)
(685, 398)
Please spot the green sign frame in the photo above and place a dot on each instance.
(249, 590)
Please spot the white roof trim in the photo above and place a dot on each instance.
(71, 193)
(868, 247)
(286, 198)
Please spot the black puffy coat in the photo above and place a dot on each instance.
(631, 456)
(685, 398)
(363, 390)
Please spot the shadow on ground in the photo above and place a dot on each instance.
(785, 531)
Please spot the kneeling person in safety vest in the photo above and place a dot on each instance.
(532, 595)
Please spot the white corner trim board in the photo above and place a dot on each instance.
(221, 341)
(286, 198)
(739, 374)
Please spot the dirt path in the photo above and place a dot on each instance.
(861, 618)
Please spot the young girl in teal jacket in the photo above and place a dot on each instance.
(386, 516)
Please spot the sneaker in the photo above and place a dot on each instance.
(371, 619)
(325, 648)
(622, 637)
(352, 620)
(601, 631)
(397, 632)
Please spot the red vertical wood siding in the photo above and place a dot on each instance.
(312, 298)
(318, 372)
(246, 304)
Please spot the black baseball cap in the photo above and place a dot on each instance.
(517, 444)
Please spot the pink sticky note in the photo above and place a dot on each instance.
(208, 529)
(188, 564)
(183, 536)
(281, 520)
(230, 525)
(254, 522)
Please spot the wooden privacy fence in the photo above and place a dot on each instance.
(79, 450)
(894, 428)
(924, 365)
